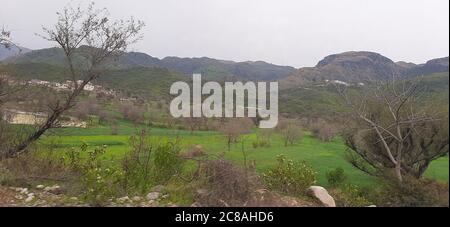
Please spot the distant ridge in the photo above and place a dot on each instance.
(209, 67)
(12, 51)
(361, 67)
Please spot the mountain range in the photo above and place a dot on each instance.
(349, 67)
(208, 67)
(139, 74)
(362, 67)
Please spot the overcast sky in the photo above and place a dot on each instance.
(287, 32)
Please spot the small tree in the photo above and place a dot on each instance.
(323, 130)
(393, 130)
(290, 130)
(89, 40)
(234, 128)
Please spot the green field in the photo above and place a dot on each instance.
(321, 156)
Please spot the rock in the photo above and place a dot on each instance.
(196, 204)
(123, 199)
(24, 191)
(55, 189)
(136, 198)
(29, 199)
(322, 195)
(40, 186)
(153, 195)
(158, 188)
(18, 197)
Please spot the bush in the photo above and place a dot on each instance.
(323, 130)
(336, 177)
(98, 181)
(226, 183)
(260, 143)
(166, 162)
(150, 163)
(289, 177)
(349, 196)
(411, 193)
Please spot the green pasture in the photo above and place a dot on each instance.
(321, 156)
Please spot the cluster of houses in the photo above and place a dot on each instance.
(69, 85)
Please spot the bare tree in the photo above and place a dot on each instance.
(290, 130)
(89, 40)
(5, 38)
(194, 123)
(323, 130)
(234, 128)
(393, 130)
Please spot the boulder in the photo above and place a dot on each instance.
(322, 195)
(153, 195)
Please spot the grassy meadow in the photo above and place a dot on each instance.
(322, 156)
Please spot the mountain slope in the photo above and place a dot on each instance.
(361, 67)
(210, 68)
(12, 51)
(149, 83)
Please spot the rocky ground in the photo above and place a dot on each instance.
(51, 196)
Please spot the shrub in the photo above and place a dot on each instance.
(289, 177)
(260, 143)
(167, 162)
(226, 183)
(193, 152)
(336, 177)
(150, 163)
(349, 196)
(98, 181)
(411, 192)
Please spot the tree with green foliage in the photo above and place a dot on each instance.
(393, 130)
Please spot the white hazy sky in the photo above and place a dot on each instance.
(287, 32)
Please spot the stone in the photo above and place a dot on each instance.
(153, 195)
(136, 198)
(24, 191)
(158, 188)
(40, 186)
(55, 189)
(18, 197)
(123, 199)
(322, 195)
(196, 204)
(29, 199)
